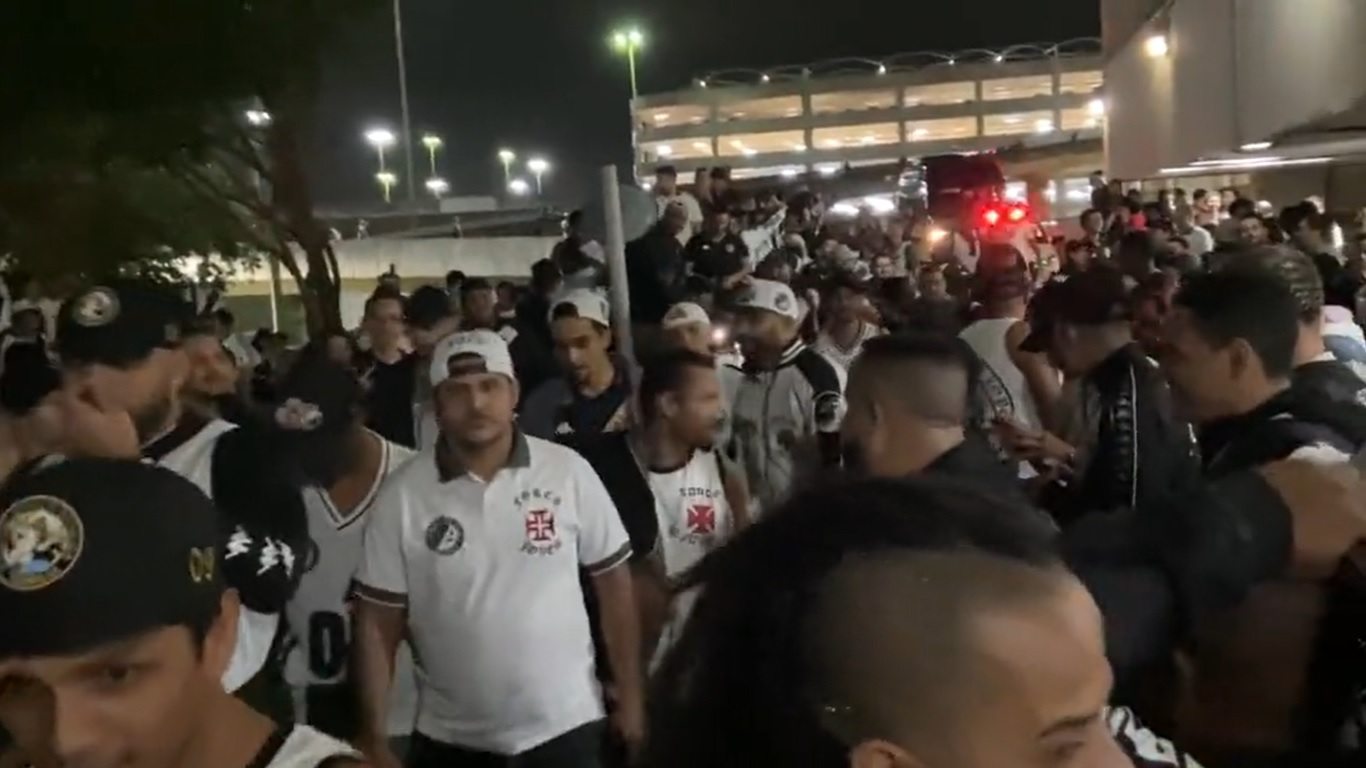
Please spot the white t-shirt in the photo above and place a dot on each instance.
(319, 615)
(844, 356)
(1200, 241)
(243, 353)
(694, 518)
(489, 573)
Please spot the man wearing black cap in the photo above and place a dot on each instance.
(344, 465)
(119, 353)
(1127, 448)
(128, 627)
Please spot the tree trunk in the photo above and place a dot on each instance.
(319, 282)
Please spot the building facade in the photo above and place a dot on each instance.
(793, 120)
(1271, 92)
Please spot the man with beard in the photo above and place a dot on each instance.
(678, 496)
(788, 408)
(476, 557)
(908, 414)
(120, 625)
(344, 465)
(120, 352)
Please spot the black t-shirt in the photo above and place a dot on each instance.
(610, 456)
(389, 399)
(717, 259)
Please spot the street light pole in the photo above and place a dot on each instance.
(403, 99)
(381, 139)
(387, 181)
(631, 64)
(629, 41)
(433, 143)
(507, 156)
(538, 166)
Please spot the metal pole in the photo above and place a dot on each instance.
(616, 263)
(380, 149)
(276, 290)
(403, 99)
(631, 62)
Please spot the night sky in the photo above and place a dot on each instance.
(539, 76)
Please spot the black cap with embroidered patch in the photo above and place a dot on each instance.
(119, 323)
(96, 551)
(317, 397)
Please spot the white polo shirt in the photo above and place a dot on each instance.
(489, 574)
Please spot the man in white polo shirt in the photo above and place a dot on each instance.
(474, 553)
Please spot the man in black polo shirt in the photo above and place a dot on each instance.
(594, 393)
(716, 252)
(399, 402)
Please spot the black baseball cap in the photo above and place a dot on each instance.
(1043, 315)
(1095, 297)
(120, 322)
(316, 397)
(96, 551)
(426, 307)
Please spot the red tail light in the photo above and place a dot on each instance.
(994, 215)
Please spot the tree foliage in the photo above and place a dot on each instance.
(125, 145)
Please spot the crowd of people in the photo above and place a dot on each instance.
(868, 493)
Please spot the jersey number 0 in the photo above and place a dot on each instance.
(328, 645)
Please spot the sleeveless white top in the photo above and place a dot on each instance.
(319, 615)
(694, 518)
(1004, 384)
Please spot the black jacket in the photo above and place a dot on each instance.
(976, 461)
(655, 271)
(1330, 380)
(1138, 453)
(1291, 420)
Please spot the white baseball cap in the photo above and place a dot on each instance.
(770, 295)
(685, 313)
(588, 304)
(483, 344)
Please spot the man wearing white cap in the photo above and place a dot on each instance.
(687, 326)
(789, 406)
(474, 553)
(593, 395)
